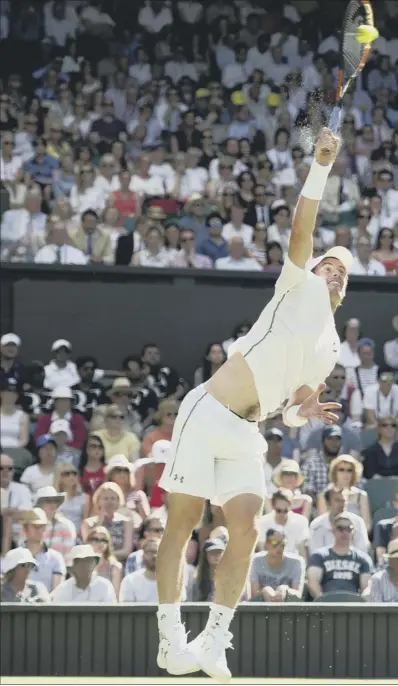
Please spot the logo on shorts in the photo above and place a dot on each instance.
(179, 478)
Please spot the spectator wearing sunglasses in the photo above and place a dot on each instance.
(76, 505)
(381, 458)
(340, 566)
(294, 526)
(345, 473)
(165, 417)
(121, 394)
(321, 528)
(152, 528)
(108, 566)
(116, 440)
(16, 588)
(276, 574)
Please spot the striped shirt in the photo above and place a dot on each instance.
(382, 589)
(60, 535)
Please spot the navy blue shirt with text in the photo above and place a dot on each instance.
(341, 572)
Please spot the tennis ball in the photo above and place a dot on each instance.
(366, 34)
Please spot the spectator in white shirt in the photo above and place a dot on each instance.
(391, 348)
(278, 69)
(84, 586)
(363, 263)
(19, 227)
(16, 497)
(178, 67)
(10, 164)
(380, 399)
(143, 183)
(321, 528)
(85, 195)
(58, 250)
(60, 21)
(194, 179)
(313, 74)
(107, 180)
(140, 586)
(279, 231)
(141, 70)
(238, 259)
(389, 196)
(61, 371)
(155, 17)
(236, 227)
(159, 167)
(293, 525)
(349, 347)
(260, 57)
(154, 254)
(237, 74)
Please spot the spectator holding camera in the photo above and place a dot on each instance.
(275, 573)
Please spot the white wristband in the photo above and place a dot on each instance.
(291, 418)
(316, 181)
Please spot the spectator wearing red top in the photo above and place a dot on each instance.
(126, 202)
(92, 464)
(62, 409)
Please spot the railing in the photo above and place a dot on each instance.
(113, 311)
(316, 641)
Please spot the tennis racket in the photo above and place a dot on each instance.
(353, 55)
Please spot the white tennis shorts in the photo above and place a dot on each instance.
(214, 453)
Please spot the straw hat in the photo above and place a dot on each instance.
(290, 466)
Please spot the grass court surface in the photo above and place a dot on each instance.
(136, 681)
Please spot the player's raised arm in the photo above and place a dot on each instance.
(300, 246)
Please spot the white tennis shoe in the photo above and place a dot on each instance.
(174, 655)
(209, 648)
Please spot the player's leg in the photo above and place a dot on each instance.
(189, 478)
(240, 488)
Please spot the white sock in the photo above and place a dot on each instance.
(220, 618)
(168, 614)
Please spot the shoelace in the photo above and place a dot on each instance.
(210, 638)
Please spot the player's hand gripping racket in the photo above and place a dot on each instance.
(357, 34)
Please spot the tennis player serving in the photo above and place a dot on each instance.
(217, 449)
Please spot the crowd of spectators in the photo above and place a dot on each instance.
(179, 134)
(83, 450)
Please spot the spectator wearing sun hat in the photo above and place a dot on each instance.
(62, 409)
(60, 533)
(84, 586)
(16, 587)
(61, 371)
(120, 470)
(50, 567)
(288, 475)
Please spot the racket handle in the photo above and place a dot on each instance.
(335, 119)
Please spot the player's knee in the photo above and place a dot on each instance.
(243, 534)
(184, 513)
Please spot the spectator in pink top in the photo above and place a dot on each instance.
(62, 409)
(187, 257)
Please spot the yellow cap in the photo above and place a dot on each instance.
(238, 98)
(274, 100)
(202, 93)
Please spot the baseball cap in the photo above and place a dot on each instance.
(330, 431)
(339, 253)
(274, 432)
(214, 544)
(18, 556)
(62, 392)
(82, 552)
(61, 343)
(61, 425)
(44, 439)
(160, 451)
(273, 100)
(392, 548)
(9, 338)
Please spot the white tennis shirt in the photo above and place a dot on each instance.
(294, 341)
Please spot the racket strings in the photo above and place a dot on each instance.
(352, 50)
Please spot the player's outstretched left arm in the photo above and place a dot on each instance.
(300, 246)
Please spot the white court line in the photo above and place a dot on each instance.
(137, 681)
